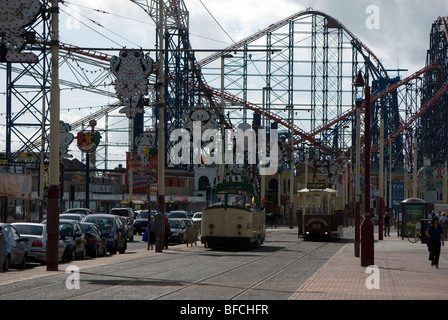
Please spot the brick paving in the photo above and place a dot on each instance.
(405, 273)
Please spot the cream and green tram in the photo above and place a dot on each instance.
(233, 218)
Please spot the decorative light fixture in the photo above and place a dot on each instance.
(15, 16)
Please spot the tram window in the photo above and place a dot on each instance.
(236, 200)
(216, 200)
(317, 204)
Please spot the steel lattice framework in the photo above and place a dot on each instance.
(431, 130)
(310, 62)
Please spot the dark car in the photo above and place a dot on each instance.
(15, 250)
(178, 231)
(123, 212)
(72, 216)
(177, 214)
(71, 233)
(129, 227)
(141, 222)
(113, 229)
(96, 241)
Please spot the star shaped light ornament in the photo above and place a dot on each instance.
(132, 69)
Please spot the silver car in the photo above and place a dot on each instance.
(36, 233)
(14, 248)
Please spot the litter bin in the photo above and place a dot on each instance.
(424, 225)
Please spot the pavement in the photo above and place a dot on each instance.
(34, 270)
(401, 271)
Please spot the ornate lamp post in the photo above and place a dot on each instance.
(367, 241)
(358, 84)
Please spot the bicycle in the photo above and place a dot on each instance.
(414, 236)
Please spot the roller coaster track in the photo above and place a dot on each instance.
(332, 21)
(377, 96)
(303, 135)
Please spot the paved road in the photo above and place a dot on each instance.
(275, 271)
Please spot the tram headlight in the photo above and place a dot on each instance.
(239, 226)
(211, 226)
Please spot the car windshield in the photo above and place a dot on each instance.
(175, 224)
(197, 215)
(85, 227)
(76, 210)
(70, 216)
(29, 229)
(120, 212)
(178, 214)
(103, 223)
(65, 229)
(143, 215)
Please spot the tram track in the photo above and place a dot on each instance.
(257, 283)
(170, 276)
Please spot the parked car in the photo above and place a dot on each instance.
(197, 217)
(70, 232)
(15, 250)
(187, 221)
(177, 214)
(141, 222)
(96, 241)
(85, 211)
(72, 216)
(178, 230)
(113, 229)
(129, 227)
(123, 212)
(36, 233)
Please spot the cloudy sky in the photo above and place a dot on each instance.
(401, 35)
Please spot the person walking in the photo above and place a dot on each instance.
(151, 233)
(386, 225)
(434, 233)
(167, 232)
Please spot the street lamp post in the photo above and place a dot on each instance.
(53, 190)
(291, 170)
(358, 84)
(221, 164)
(161, 137)
(263, 126)
(367, 242)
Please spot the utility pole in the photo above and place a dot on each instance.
(53, 190)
